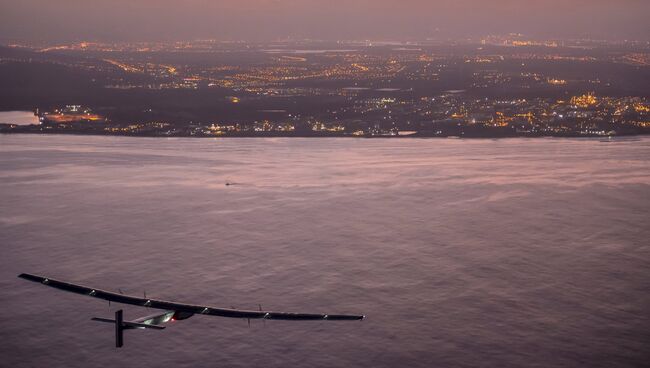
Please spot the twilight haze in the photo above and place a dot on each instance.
(325, 183)
(259, 20)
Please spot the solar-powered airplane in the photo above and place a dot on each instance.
(173, 311)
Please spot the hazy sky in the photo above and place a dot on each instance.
(63, 20)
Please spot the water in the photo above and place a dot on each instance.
(462, 253)
(18, 117)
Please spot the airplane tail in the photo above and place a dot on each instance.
(119, 329)
(121, 325)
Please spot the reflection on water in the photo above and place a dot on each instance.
(501, 253)
(18, 117)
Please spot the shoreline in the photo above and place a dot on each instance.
(340, 136)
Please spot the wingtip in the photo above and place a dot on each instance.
(30, 277)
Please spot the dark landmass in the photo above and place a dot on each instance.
(499, 88)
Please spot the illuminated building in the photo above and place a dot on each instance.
(584, 101)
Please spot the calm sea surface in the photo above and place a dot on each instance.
(462, 253)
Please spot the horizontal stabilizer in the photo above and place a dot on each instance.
(107, 320)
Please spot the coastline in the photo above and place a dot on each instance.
(317, 136)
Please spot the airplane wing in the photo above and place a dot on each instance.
(185, 308)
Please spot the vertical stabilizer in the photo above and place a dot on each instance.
(119, 329)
